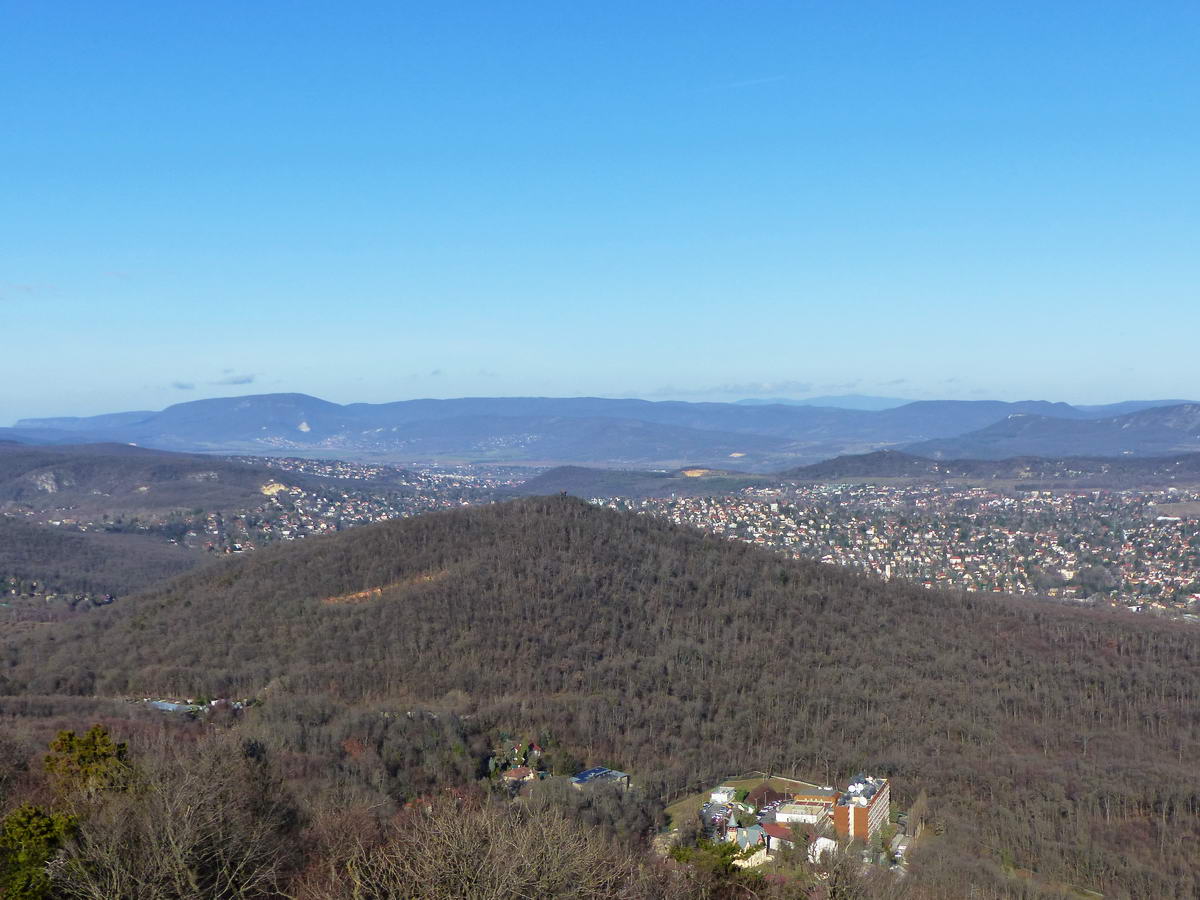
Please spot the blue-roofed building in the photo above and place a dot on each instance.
(169, 706)
(600, 775)
(750, 837)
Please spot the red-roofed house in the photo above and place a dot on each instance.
(779, 837)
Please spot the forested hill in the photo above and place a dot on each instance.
(70, 562)
(1055, 740)
(117, 477)
(1159, 431)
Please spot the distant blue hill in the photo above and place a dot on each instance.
(1148, 431)
(837, 401)
(629, 433)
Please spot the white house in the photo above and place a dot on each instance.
(819, 847)
(724, 794)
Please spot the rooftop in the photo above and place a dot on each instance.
(861, 790)
(814, 791)
(599, 773)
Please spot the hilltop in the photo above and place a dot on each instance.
(685, 657)
(1158, 431)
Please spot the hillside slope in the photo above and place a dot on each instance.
(1158, 431)
(685, 657)
(70, 562)
(117, 477)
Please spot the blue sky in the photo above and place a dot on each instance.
(377, 201)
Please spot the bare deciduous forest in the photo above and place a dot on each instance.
(1057, 746)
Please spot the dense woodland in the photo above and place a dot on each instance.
(1057, 746)
(38, 559)
(101, 478)
(139, 497)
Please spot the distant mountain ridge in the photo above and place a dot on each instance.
(624, 432)
(1155, 431)
(838, 401)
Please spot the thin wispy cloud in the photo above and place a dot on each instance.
(183, 385)
(235, 379)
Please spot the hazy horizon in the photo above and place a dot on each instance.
(898, 401)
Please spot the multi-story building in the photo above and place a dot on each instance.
(863, 808)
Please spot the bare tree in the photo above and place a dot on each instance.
(208, 822)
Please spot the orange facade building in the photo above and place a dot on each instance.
(862, 809)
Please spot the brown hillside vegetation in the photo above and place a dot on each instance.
(1054, 740)
(93, 479)
(377, 593)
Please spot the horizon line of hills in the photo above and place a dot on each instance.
(746, 436)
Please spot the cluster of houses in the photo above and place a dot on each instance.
(775, 814)
(974, 538)
(520, 764)
(517, 776)
(192, 707)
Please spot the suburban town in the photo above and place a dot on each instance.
(372, 494)
(353, 494)
(1135, 549)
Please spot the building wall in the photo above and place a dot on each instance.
(843, 820)
(862, 822)
(879, 812)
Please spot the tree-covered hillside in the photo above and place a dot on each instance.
(68, 562)
(1051, 741)
(114, 478)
